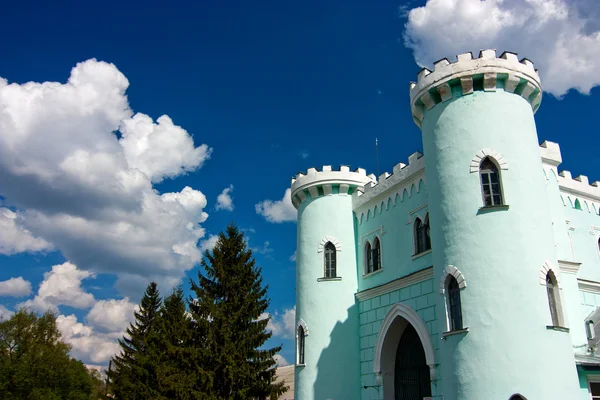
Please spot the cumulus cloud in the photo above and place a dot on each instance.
(561, 37)
(5, 313)
(209, 243)
(89, 191)
(15, 287)
(87, 344)
(111, 315)
(224, 200)
(14, 238)
(278, 211)
(62, 286)
(282, 324)
(293, 257)
(281, 362)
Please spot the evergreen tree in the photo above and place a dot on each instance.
(178, 377)
(230, 300)
(134, 371)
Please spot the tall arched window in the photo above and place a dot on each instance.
(599, 244)
(301, 343)
(368, 258)
(553, 299)
(376, 254)
(490, 183)
(422, 238)
(517, 397)
(330, 260)
(453, 303)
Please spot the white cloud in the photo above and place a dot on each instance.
(278, 211)
(62, 286)
(281, 362)
(14, 238)
(87, 191)
(561, 38)
(282, 325)
(15, 287)
(293, 257)
(86, 344)
(264, 249)
(111, 315)
(224, 200)
(5, 313)
(209, 243)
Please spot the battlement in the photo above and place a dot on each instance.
(550, 153)
(468, 74)
(400, 173)
(580, 185)
(321, 182)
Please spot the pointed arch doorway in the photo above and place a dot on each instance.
(404, 357)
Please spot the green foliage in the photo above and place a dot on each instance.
(134, 371)
(35, 364)
(230, 301)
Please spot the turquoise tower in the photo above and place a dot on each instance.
(326, 314)
(476, 115)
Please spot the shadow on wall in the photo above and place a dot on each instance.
(338, 368)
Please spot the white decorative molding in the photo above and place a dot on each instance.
(401, 310)
(364, 237)
(327, 239)
(506, 68)
(302, 324)
(400, 283)
(588, 286)
(568, 267)
(455, 272)
(483, 153)
(547, 267)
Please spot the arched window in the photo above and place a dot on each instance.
(490, 183)
(455, 322)
(599, 244)
(368, 258)
(301, 343)
(376, 254)
(553, 299)
(422, 238)
(517, 397)
(330, 260)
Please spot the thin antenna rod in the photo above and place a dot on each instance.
(377, 156)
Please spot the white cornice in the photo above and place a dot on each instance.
(569, 267)
(400, 283)
(589, 286)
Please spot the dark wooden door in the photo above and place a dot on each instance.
(411, 373)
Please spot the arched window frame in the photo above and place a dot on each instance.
(490, 181)
(301, 334)
(368, 258)
(329, 261)
(452, 298)
(548, 273)
(421, 235)
(376, 254)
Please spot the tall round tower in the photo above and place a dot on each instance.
(326, 281)
(491, 228)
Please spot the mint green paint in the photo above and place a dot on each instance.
(584, 241)
(397, 246)
(328, 308)
(422, 298)
(508, 348)
(584, 377)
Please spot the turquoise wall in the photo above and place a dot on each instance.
(500, 252)
(421, 297)
(327, 307)
(396, 221)
(584, 232)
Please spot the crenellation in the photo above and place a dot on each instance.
(578, 186)
(441, 63)
(510, 56)
(487, 54)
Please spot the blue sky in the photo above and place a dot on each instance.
(268, 88)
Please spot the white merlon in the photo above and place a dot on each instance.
(578, 186)
(327, 189)
(506, 67)
(550, 153)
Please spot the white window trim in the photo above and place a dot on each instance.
(503, 200)
(548, 267)
(365, 263)
(365, 257)
(327, 239)
(302, 324)
(590, 379)
(483, 153)
(451, 270)
(414, 234)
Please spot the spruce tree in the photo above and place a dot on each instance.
(178, 377)
(229, 301)
(134, 371)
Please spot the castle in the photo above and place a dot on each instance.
(470, 273)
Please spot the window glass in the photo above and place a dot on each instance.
(454, 308)
(368, 258)
(376, 254)
(490, 183)
(551, 290)
(595, 390)
(422, 239)
(330, 260)
(301, 338)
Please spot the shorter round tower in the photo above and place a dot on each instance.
(327, 348)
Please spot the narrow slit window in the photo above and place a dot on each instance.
(455, 321)
(330, 260)
(376, 254)
(368, 258)
(553, 299)
(490, 183)
(301, 345)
